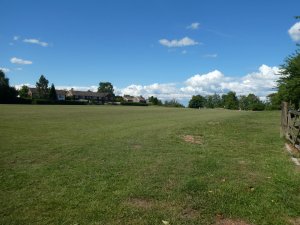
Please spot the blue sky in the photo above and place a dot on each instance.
(171, 49)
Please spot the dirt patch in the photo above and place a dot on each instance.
(136, 147)
(140, 203)
(193, 139)
(294, 151)
(221, 221)
(295, 221)
(189, 213)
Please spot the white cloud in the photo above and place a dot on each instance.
(186, 41)
(261, 83)
(5, 70)
(184, 52)
(36, 41)
(193, 26)
(20, 61)
(15, 38)
(18, 68)
(294, 32)
(210, 56)
(19, 86)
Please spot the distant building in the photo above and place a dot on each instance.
(89, 96)
(33, 93)
(128, 98)
(61, 95)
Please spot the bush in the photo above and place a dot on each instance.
(52, 102)
(134, 103)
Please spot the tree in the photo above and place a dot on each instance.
(154, 100)
(289, 82)
(52, 93)
(217, 101)
(42, 87)
(197, 101)
(7, 94)
(23, 92)
(230, 100)
(173, 103)
(106, 87)
(273, 102)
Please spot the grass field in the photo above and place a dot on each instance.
(136, 165)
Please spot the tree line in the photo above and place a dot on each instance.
(229, 101)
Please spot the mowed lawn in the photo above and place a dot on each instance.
(136, 165)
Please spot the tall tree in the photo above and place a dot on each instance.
(23, 92)
(230, 100)
(154, 100)
(106, 87)
(52, 93)
(7, 94)
(197, 101)
(42, 87)
(289, 82)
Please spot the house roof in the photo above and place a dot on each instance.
(88, 93)
(61, 92)
(58, 92)
(33, 90)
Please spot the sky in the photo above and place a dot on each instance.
(165, 48)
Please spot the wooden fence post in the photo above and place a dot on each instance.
(284, 119)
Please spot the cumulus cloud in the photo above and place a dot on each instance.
(36, 41)
(15, 60)
(186, 41)
(193, 26)
(5, 70)
(261, 83)
(294, 32)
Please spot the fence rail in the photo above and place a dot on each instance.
(290, 125)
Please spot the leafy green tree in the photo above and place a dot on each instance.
(42, 87)
(173, 103)
(119, 99)
(209, 103)
(289, 82)
(154, 100)
(23, 92)
(197, 101)
(273, 102)
(254, 103)
(7, 94)
(230, 100)
(52, 93)
(106, 87)
(217, 101)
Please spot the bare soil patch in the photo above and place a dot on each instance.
(140, 203)
(295, 221)
(192, 139)
(189, 213)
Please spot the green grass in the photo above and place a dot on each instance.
(130, 165)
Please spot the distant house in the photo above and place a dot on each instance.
(61, 95)
(89, 96)
(33, 93)
(128, 98)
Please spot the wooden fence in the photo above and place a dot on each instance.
(290, 125)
